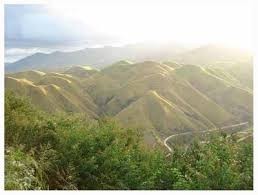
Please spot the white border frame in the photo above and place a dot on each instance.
(255, 41)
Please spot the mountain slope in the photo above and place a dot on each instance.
(32, 75)
(159, 98)
(218, 90)
(81, 71)
(53, 93)
(153, 112)
(212, 54)
(164, 81)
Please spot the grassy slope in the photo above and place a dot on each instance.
(32, 75)
(81, 71)
(174, 89)
(160, 97)
(54, 92)
(153, 112)
(233, 99)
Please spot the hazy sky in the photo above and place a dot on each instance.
(66, 26)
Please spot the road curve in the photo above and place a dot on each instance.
(243, 138)
(189, 132)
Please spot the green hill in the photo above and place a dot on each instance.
(158, 98)
(234, 99)
(153, 112)
(81, 71)
(32, 75)
(54, 93)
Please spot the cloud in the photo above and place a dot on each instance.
(75, 26)
(14, 54)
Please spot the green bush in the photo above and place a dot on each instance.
(22, 171)
(67, 151)
(220, 164)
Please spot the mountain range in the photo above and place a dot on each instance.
(160, 98)
(96, 57)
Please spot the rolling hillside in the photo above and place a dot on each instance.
(53, 92)
(158, 98)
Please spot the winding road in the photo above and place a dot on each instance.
(190, 132)
(243, 138)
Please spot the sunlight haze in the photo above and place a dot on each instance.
(199, 23)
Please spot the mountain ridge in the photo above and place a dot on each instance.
(159, 98)
(97, 57)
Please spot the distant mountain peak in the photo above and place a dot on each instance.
(96, 57)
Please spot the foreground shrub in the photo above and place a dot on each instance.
(22, 171)
(68, 151)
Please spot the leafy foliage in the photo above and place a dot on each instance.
(66, 151)
(23, 171)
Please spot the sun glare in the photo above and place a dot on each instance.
(198, 24)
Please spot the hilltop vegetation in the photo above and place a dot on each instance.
(73, 151)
